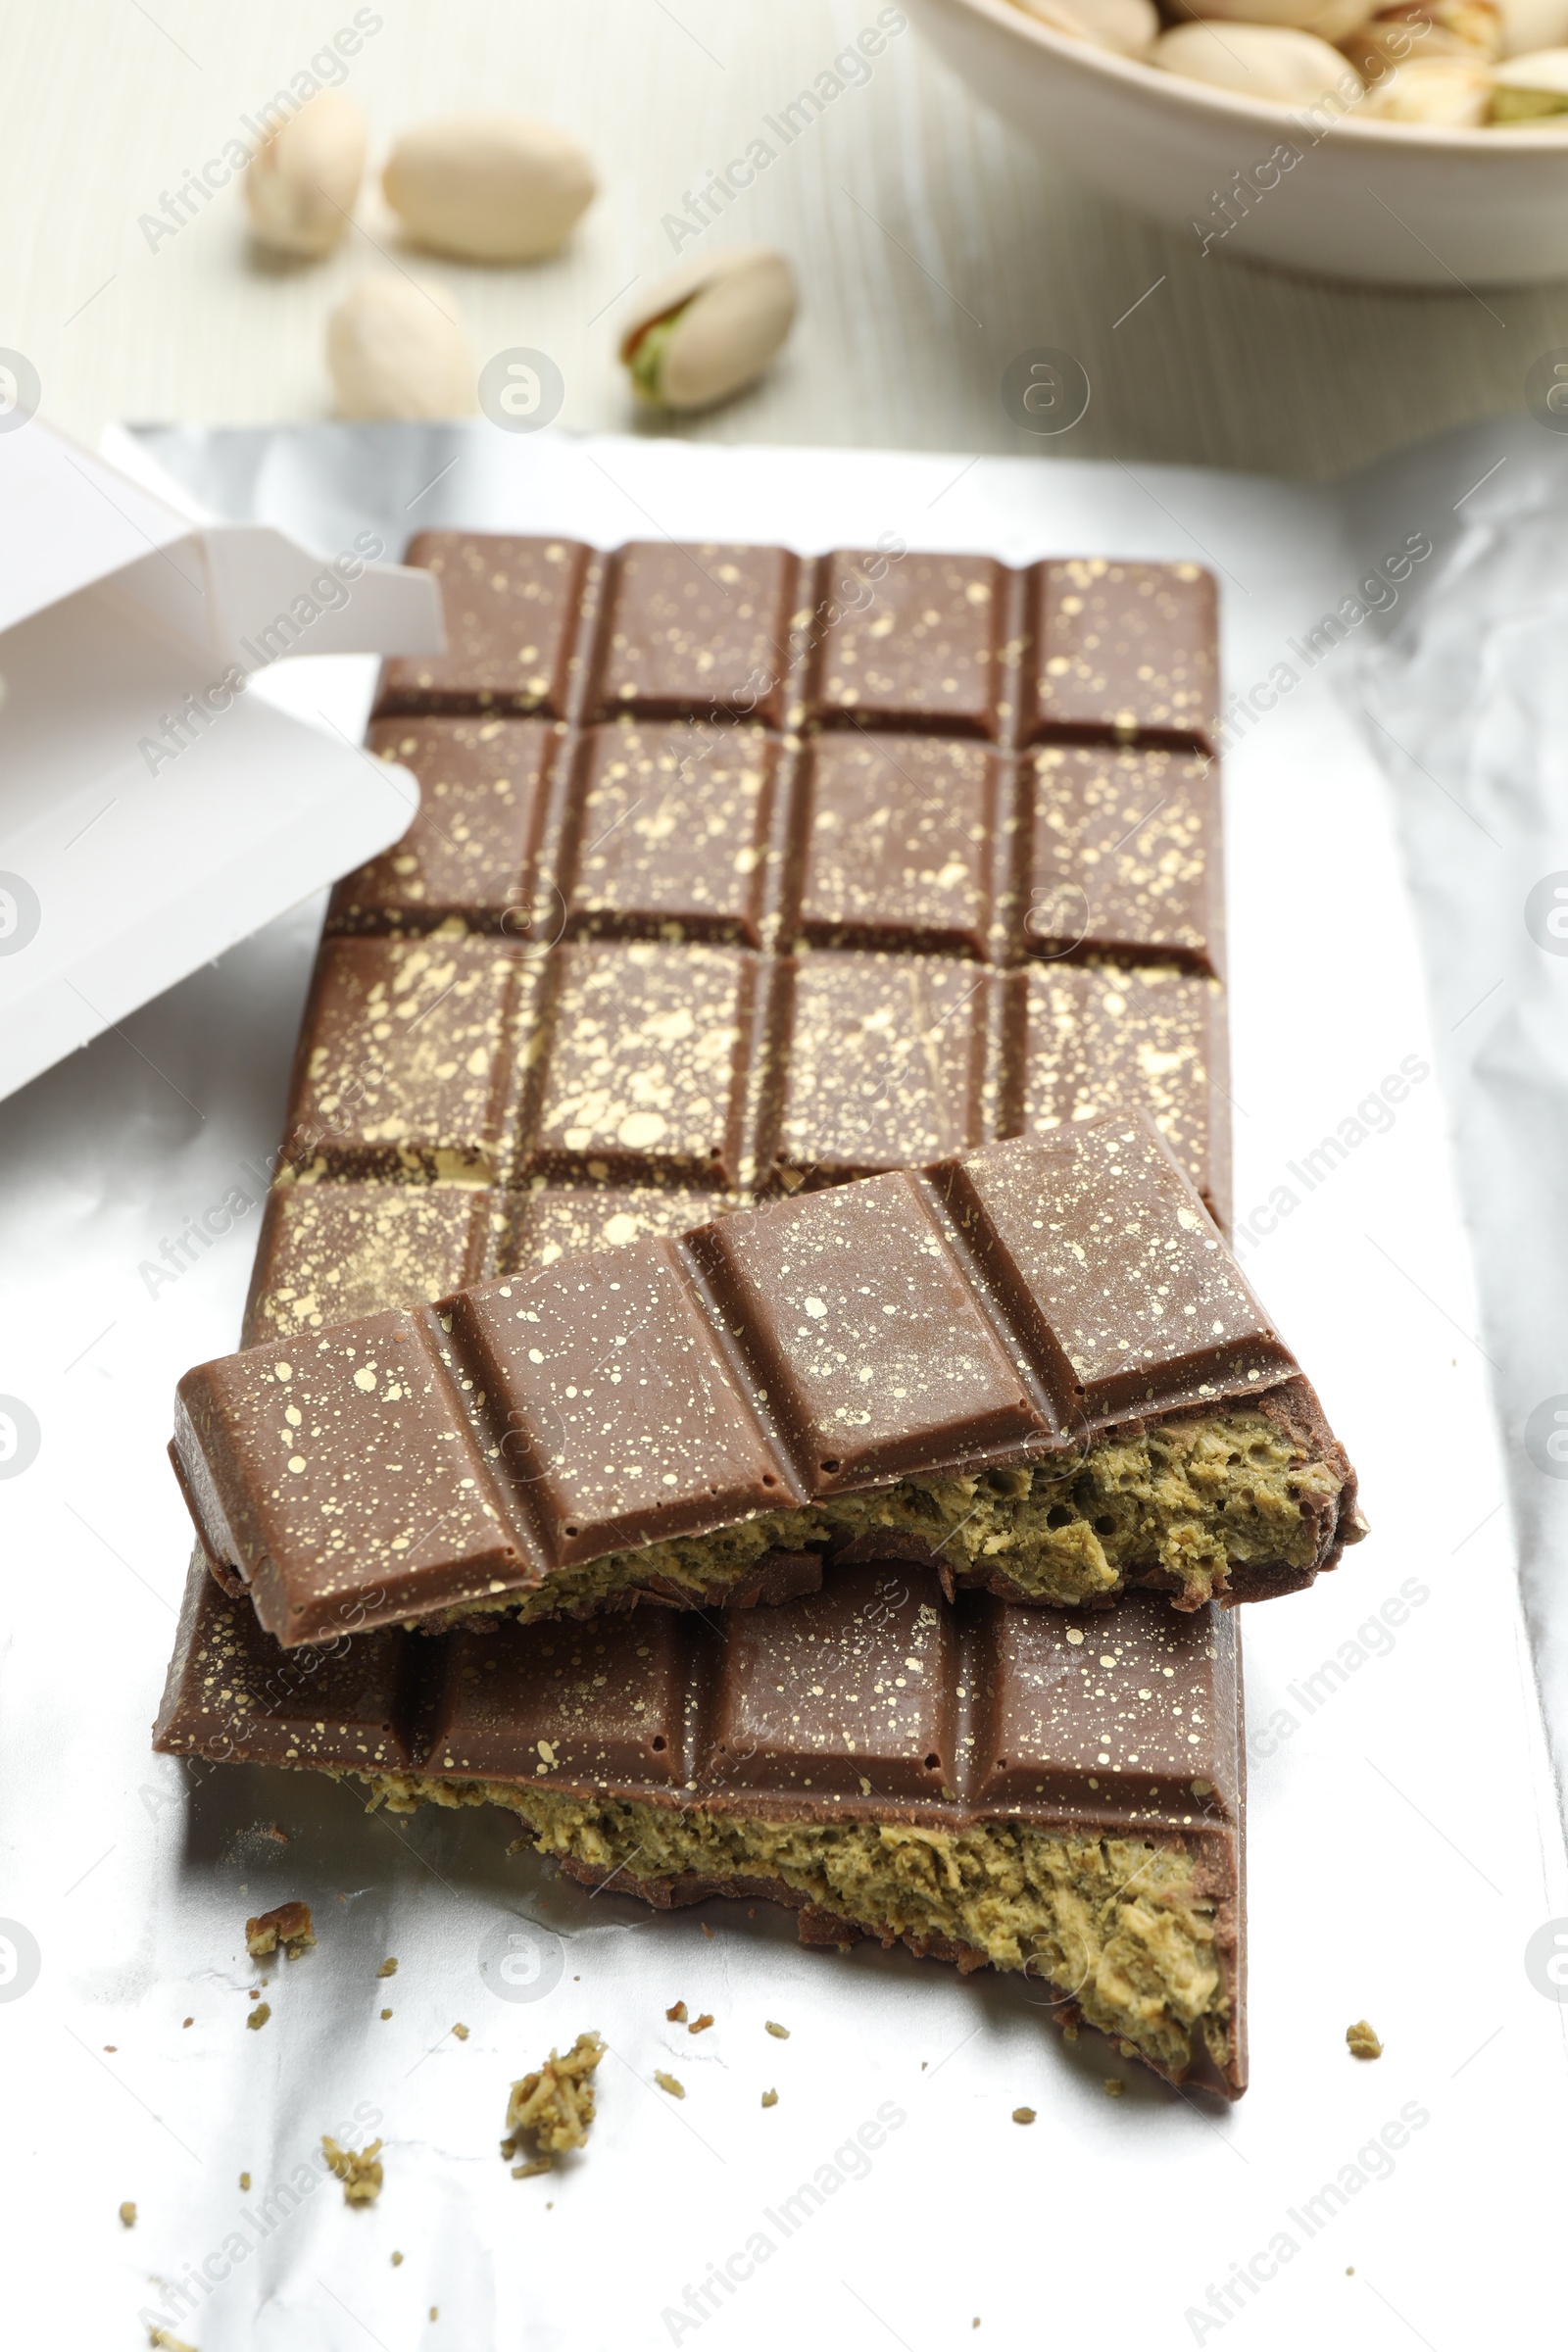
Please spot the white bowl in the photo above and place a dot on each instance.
(1388, 204)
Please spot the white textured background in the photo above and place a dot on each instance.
(904, 189)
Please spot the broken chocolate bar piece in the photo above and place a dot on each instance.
(1036, 1368)
(986, 1784)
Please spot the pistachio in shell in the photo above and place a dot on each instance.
(710, 328)
(302, 185)
(394, 350)
(489, 187)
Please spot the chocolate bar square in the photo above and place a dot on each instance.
(696, 632)
(1124, 652)
(510, 607)
(900, 842)
(671, 832)
(915, 643)
(881, 1065)
(645, 1066)
(868, 1343)
(1124, 855)
(1086, 1039)
(330, 1251)
(406, 1066)
(468, 857)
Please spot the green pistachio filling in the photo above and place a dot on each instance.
(1116, 1924)
(1194, 1500)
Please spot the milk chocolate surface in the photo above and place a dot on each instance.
(1115, 1743)
(1003, 1309)
(728, 864)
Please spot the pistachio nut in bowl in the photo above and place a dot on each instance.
(1355, 167)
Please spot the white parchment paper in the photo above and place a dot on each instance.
(1405, 1845)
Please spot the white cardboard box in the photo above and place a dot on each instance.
(153, 809)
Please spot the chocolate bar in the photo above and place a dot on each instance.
(986, 1784)
(736, 875)
(1036, 1368)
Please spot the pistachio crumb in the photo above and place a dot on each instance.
(1115, 2088)
(1363, 2041)
(356, 2168)
(259, 2017)
(700, 2025)
(779, 2033)
(553, 2106)
(389, 1968)
(1023, 2115)
(770, 2099)
(676, 2090)
(245, 2182)
(677, 2014)
(462, 2032)
(127, 2215)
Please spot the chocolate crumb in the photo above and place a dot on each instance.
(356, 2169)
(1023, 2115)
(770, 2099)
(190, 2021)
(700, 2025)
(677, 2015)
(289, 1926)
(676, 2090)
(259, 2017)
(779, 2033)
(127, 2215)
(1363, 2041)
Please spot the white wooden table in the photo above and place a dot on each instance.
(932, 244)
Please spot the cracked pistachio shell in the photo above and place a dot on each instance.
(302, 186)
(489, 187)
(719, 320)
(1272, 61)
(1447, 91)
(1126, 26)
(1529, 89)
(395, 351)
